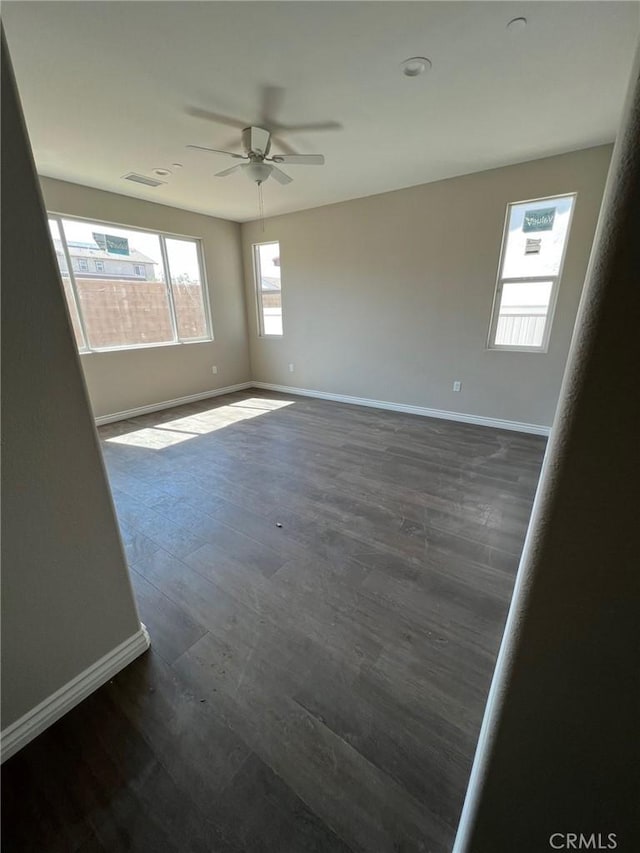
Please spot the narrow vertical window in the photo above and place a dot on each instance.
(268, 287)
(533, 250)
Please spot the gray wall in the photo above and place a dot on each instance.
(559, 749)
(124, 379)
(66, 595)
(389, 297)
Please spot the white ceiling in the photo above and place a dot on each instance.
(106, 89)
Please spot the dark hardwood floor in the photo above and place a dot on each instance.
(325, 587)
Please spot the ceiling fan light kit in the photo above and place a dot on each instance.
(257, 171)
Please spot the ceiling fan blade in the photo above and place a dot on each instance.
(280, 143)
(301, 128)
(299, 159)
(280, 176)
(272, 98)
(231, 143)
(217, 151)
(219, 118)
(229, 171)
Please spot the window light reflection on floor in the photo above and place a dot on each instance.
(167, 433)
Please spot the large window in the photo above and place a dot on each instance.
(266, 264)
(533, 249)
(130, 288)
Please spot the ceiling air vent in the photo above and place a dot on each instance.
(143, 179)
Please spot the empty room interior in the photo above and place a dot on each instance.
(290, 293)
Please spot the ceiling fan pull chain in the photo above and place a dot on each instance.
(261, 205)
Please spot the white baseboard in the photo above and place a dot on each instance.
(169, 404)
(497, 423)
(462, 417)
(35, 721)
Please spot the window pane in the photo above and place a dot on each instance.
(536, 237)
(269, 287)
(66, 283)
(523, 313)
(186, 281)
(120, 306)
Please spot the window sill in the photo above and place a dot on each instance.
(102, 350)
(537, 350)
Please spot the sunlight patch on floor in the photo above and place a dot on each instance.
(152, 438)
(167, 433)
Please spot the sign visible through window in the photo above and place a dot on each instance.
(112, 244)
(539, 220)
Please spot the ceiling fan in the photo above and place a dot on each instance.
(256, 142)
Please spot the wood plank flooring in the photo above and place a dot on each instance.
(325, 587)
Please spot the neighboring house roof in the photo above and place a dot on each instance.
(270, 283)
(86, 250)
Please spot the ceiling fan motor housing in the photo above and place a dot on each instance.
(256, 140)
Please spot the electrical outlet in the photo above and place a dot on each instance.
(290, 367)
(214, 369)
(457, 385)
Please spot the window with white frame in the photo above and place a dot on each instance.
(266, 265)
(533, 249)
(143, 288)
